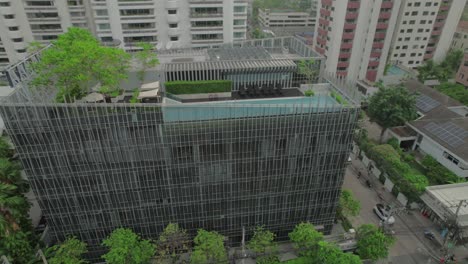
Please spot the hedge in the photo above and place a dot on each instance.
(195, 87)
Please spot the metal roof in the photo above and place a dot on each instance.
(231, 65)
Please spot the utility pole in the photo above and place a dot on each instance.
(453, 229)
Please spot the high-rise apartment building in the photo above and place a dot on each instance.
(217, 163)
(165, 23)
(355, 36)
(425, 30)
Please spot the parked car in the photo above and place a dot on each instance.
(383, 212)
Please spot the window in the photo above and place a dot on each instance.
(403, 55)
(409, 30)
(4, 4)
(428, 4)
(17, 39)
(103, 26)
(412, 22)
(239, 22)
(101, 12)
(172, 12)
(174, 38)
(239, 34)
(13, 28)
(410, 62)
(417, 4)
(21, 51)
(414, 13)
(173, 25)
(39, 3)
(420, 30)
(425, 13)
(239, 9)
(9, 16)
(136, 12)
(451, 158)
(107, 39)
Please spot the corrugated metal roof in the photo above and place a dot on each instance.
(230, 65)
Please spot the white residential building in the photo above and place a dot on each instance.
(270, 18)
(425, 30)
(355, 36)
(165, 23)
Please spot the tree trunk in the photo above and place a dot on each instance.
(382, 135)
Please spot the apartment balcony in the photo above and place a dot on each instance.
(349, 26)
(136, 3)
(346, 45)
(444, 7)
(373, 63)
(348, 35)
(343, 64)
(205, 1)
(325, 12)
(344, 55)
(371, 75)
(322, 32)
(320, 50)
(430, 48)
(442, 16)
(351, 15)
(207, 41)
(77, 8)
(173, 4)
(382, 26)
(173, 31)
(137, 31)
(439, 24)
(213, 28)
(436, 32)
(427, 56)
(386, 4)
(206, 15)
(171, 19)
(375, 54)
(378, 45)
(355, 4)
(385, 15)
(327, 2)
(380, 35)
(324, 22)
(341, 73)
(321, 41)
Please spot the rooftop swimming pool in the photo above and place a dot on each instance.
(395, 70)
(246, 108)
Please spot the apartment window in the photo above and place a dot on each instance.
(135, 12)
(2, 49)
(102, 12)
(425, 13)
(412, 22)
(410, 62)
(428, 4)
(104, 26)
(420, 30)
(172, 12)
(413, 54)
(138, 26)
(403, 55)
(422, 22)
(397, 47)
(239, 9)
(49, 37)
(4, 4)
(9, 16)
(174, 38)
(13, 28)
(4, 60)
(414, 13)
(239, 34)
(239, 22)
(417, 4)
(174, 25)
(39, 3)
(409, 30)
(407, 38)
(21, 51)
(451, 158)
(107, 39)
(405, 22)
(75, 2)
(17, 40)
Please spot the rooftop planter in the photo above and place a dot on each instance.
(197, 87)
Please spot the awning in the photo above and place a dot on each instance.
(148, 94)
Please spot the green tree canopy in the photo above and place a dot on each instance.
(6, 150)
(209, 248)
(309, 69)
(10, 174)
(331, 254)
(68, 252)
(454, 90)
(77, 61)
(373, 243)
(147, 59)
(443, 71)
(17, 247)
(126, 247)
(172, 241)
(306, 238)
(13, 209)
(348, 205)
(263, 242)
(392, 107)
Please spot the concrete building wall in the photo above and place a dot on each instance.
(460, 38)
(462, 74)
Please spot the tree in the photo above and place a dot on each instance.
(17, 247)
(13, 207)
(392, 107)
(209, 248)
(147, 59)
(172, 241)
(75, 62)
(427, 71)
(6, 150)
(10, 174)
(453, 60)
(372, 243)
(34, 47)
(306, 238)
(263, 242)
(257, 33)
(348, 205)
(331, 254)
(126, 247)
(69, 252)
(308, 68)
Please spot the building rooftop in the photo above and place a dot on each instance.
(448, 196)
(442, 120)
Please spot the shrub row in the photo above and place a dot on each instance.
(195, 87)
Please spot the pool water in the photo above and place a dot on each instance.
(395, 70)
(245, 108)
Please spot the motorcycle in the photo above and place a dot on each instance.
(369, 184)
(429, 235)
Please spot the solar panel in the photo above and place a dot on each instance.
(448, 132)
(426, 103)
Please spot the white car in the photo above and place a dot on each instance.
(384, 213)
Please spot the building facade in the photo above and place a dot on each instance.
(425, 30)
(462, 73)
(355, 36)
(460, 39)
(164, 23)
(220, 166)
(287, 20)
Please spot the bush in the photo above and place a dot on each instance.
(338, 98)
(309, 93)
(394, 143)
(437, 173)
(195, 87)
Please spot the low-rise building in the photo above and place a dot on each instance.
(462, 74)
(445, 202)
(282, 21)
(441, 130)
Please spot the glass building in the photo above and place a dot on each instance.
(224, 165)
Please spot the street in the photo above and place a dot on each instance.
(411, 246)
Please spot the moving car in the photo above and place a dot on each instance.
(383, 212)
